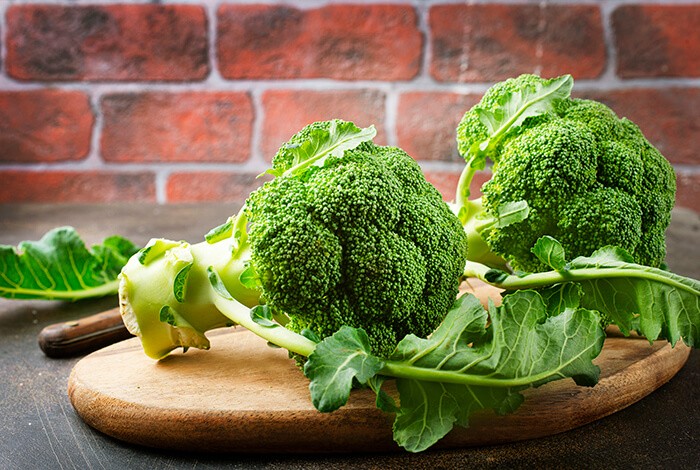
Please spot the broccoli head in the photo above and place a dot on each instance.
(362, 240)
(589, 179)
(347, 233)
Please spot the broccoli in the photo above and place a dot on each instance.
(562, 167)
(348, 233)
(351, 261)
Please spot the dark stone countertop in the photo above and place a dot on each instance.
(41, 430)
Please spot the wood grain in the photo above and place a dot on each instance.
(244, 396)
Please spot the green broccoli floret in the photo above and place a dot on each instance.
(363, 241)
(347, 233)
(581, 174)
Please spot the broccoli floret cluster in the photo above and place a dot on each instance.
(362, 240)
(590, 179)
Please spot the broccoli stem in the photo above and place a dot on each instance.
(507, 281)
(240, 230)
(463, 192)
(401, 370)
(298, 344)
(278, 335)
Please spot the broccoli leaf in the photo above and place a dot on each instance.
(467, 364)
(61, 267)
(550, 252)
(262, 315)
(514, 108)
(321, 143)
(335, 363)
(221, 232)
(654, 302)
(518, 350)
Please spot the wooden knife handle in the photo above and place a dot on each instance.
(83, 336)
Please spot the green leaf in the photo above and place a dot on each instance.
(156, 248)
(180, 283)
(466, 365)
(656, 303)
(217, 284)
(511, 213)
(310, 335)
(221, 232)
(321, 143)
(495, 276)
(262, 315)
(512, 110)
(60, 266)
(249, 278)
(384, 401)
(550, 252)
(336, 362)
(562, 296)
(525, 103)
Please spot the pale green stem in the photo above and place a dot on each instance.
(401, 370)
(278, 335)
(463, 192)
(535, 280)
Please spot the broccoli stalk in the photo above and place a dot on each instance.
(164, 293)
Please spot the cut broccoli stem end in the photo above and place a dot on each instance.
(164, 293)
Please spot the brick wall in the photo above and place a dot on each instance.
(187, 101)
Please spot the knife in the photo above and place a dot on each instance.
(74, 338)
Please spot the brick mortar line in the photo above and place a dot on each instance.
(609, 74)
(247, 167)
(3, 41)
(218, 83)
(94, 157)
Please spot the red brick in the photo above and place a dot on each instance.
(288, 111)
(668, 117)
(688, 190)
(177, 127)
(657, 40)
(426, 123)
(75, 186)
(347, 42)
(446, 182)
(211, 186)
(44, 126)
(497, 41)
(109, 42)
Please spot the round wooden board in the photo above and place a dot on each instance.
(244, 396)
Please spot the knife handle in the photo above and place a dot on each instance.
(73, 338)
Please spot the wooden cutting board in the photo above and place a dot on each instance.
(244, 396)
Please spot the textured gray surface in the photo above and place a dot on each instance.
(39, 428)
